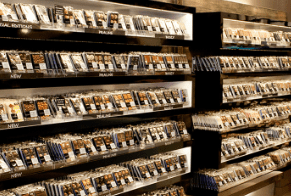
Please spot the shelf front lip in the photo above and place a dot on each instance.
(266, 148)
(242, 127)
(77, 81)
(62, 36)
(276, 50)
(255, 98)
(58, 172)
(254, 74)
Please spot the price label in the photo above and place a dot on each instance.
(34, 161)
(150, 28)
(4, 18)
(104, 188)
(172, 66)
(113, 184)
(82, 192)
(220, 183)
(158, 137)
(19, 163)
(172, 100)
(29, 66)
(187, 66)
(83, 66)
(103, 148)
(124, 144)
(123, 104)
(102, 107)
(71, 154)
(123, 66)
(185, 164)
(115, 26)
(178, 165)
(148, 175)
(4, 117)
(72, 21)
(71, 110)
(151, 66)
(42, 66)
(102, 66)
(135, 67)
(163, 66)
(131, 142)
(110, 66)
(94, 65)
(110, 106)
(93, 106)
(47, 112)
(19, 66)
(130, 179)
(163, 170)
(185, 132)
(156, 172)
(122, 181)
(112, 145)
(173, 134)
(5, 65)
(172, 168)
(180, 66)
(132, 103)
(159, 66)
(146, 102)
(93, 149)
(47, 158)
(14, 16)
(179, 100)
(33, 114)
(71, 195)
(83, 151)
(164, 101)
(92, 190)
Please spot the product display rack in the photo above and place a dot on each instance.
(209, 97)
(35, 37)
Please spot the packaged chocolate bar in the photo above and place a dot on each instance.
(28, 13)
(133, 64)
(100, 61)
(15, 62)
(147, 23)
(128, 21)
(4, 167)
(79, 147)
(119, 62)
(155, 25)
(169, 61)
(99, 143)
(14, 110)
(130, 104)
(64, 106)
(100, 19)
(66, 62)
(142, 98)
(170, 26)
(59, 15)
(69, 19)
(90, 148)
(29, 110)
(13, 159)
(42, 14)
(39, 63)
(79, 18)
(78, 105)
(66, 150)
(119, 102)
(177, 27)
(108, 63)
(89, 104)
(161, 98)
(112, 19)
(29, 156)
(43, 108)
(91, 61)
(108, 103)
(26, 61)
(8, 12)
(3, 113)
(90, 19)
(153, 99)
(169, 97)
(4, 67)
(162, 24)
(79, 62)
(43, 154)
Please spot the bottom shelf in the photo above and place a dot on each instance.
(250, 185)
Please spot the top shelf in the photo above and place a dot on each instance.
(131, 33)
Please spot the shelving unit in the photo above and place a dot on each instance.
(209, 97)
(36, 37)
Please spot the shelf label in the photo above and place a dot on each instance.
(42, 66)
(94, 65)
(29, 66)
(105, 74)
(15, 76)
(16, 175)
(19, 66)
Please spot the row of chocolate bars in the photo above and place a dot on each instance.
(92, 102)
(106, 180)
(239, 63)
(67, 16)
(237, 117)
(234, 173)
(70, 148)
(65, 62)
(241, 143)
